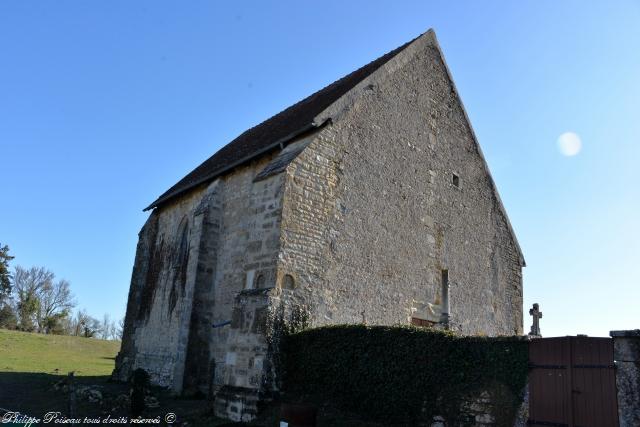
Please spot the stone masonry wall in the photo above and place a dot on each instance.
(626, 353)
(146, 242)
(167, 294)
(371, 215)
(248, 249)
(198, 364)
(212, 243)
(247, 358)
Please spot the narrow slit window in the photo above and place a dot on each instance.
(445, 297)
(248, 283)
(455, 180)
(289, 282)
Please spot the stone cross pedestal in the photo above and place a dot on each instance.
(537, 315)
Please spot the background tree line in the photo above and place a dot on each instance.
(32, 300)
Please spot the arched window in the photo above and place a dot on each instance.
(288, 282)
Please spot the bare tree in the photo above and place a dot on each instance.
(56, 302)
(92, 328)
(120, 329)
(27, 286)
(86, 326)
(68, 325)
(79, 322)
(113, 333)
(105, 327)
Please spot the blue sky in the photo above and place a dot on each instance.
(104, 105)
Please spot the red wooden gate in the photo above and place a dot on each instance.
(572, 382)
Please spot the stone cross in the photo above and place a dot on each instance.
(537, 315)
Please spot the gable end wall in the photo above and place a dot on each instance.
(370, 215)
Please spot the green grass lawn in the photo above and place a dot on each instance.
(30, 365)
(38, 353)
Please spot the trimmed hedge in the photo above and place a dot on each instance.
(402, 374)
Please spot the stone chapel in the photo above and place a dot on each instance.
(368, 201)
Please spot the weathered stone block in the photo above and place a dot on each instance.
(626, 354)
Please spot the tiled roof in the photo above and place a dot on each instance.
(279, 128)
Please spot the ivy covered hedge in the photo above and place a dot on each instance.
(402, 374)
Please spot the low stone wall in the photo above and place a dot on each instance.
(491, 407)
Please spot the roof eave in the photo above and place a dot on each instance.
(305, 129)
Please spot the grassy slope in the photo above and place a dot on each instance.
(27, 374)
(38, 353)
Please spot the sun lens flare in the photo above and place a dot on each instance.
(569, 144)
